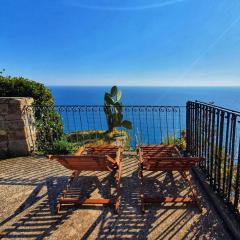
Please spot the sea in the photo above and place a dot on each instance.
(150, 125)
(228, 97)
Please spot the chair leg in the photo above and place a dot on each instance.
(58, 208)
(117, 205)
(188, 179)
(74, 175)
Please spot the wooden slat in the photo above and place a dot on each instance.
(160, 152)
(155, 169)
(84, 163)
(159, 165)
(179, 159)
(154, 146)
(92, 156)
(168, 164)
(85, 167)
(86, 201)
(102, 148)
(167, 200)
(158, 155)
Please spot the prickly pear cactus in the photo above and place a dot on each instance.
(113, 110)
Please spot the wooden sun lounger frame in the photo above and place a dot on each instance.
(166, 158)
(88, 158)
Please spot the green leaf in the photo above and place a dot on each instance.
(119, 95)
(117, 119)
(108, 100)
(114, 91)
(118, 107)
(127, 124)
(120, 118)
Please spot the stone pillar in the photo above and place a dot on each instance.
(17, 127)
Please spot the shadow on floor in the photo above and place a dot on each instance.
(160, 221)
(131, 223)
(41, 219)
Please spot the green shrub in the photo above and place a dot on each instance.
(179, 142)
(49, 128)
(48, 122)
(79, 138)
(61, 147)
(22, 87)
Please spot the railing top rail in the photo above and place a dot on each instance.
(157, 106)
(102, 106)
(217, 107)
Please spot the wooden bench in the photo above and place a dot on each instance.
(166, 158)
(91, 158)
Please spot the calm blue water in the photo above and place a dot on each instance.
(223, 96)
(151, 126)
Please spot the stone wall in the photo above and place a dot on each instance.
(17, 127)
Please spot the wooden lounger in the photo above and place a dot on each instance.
(91, 158)
(166, 158)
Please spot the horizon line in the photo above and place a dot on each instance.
(53, 85)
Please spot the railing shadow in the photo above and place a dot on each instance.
(131, 223)
(36, 218)
(32, 198)
(30, 171)
(41, 219)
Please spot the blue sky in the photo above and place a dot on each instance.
(127, 42)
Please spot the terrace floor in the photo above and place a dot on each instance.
(29, 187)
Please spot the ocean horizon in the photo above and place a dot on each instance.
(228, 97)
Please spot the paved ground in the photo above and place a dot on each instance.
(29, 188)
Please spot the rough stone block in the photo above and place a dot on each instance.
(16, 124)
(14, 101)
(18, 148)
(3, 153)
(3, 146)
(17, 134)
(13, 116)
(2, 125)
(3, 138)
(17, 129)
(3, 132)
(3, 108)
(15, 109)
(4, 100)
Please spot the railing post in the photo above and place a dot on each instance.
(237, 181)
(188, 127)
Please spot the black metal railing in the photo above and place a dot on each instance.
(213, 132)
(151, 124)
